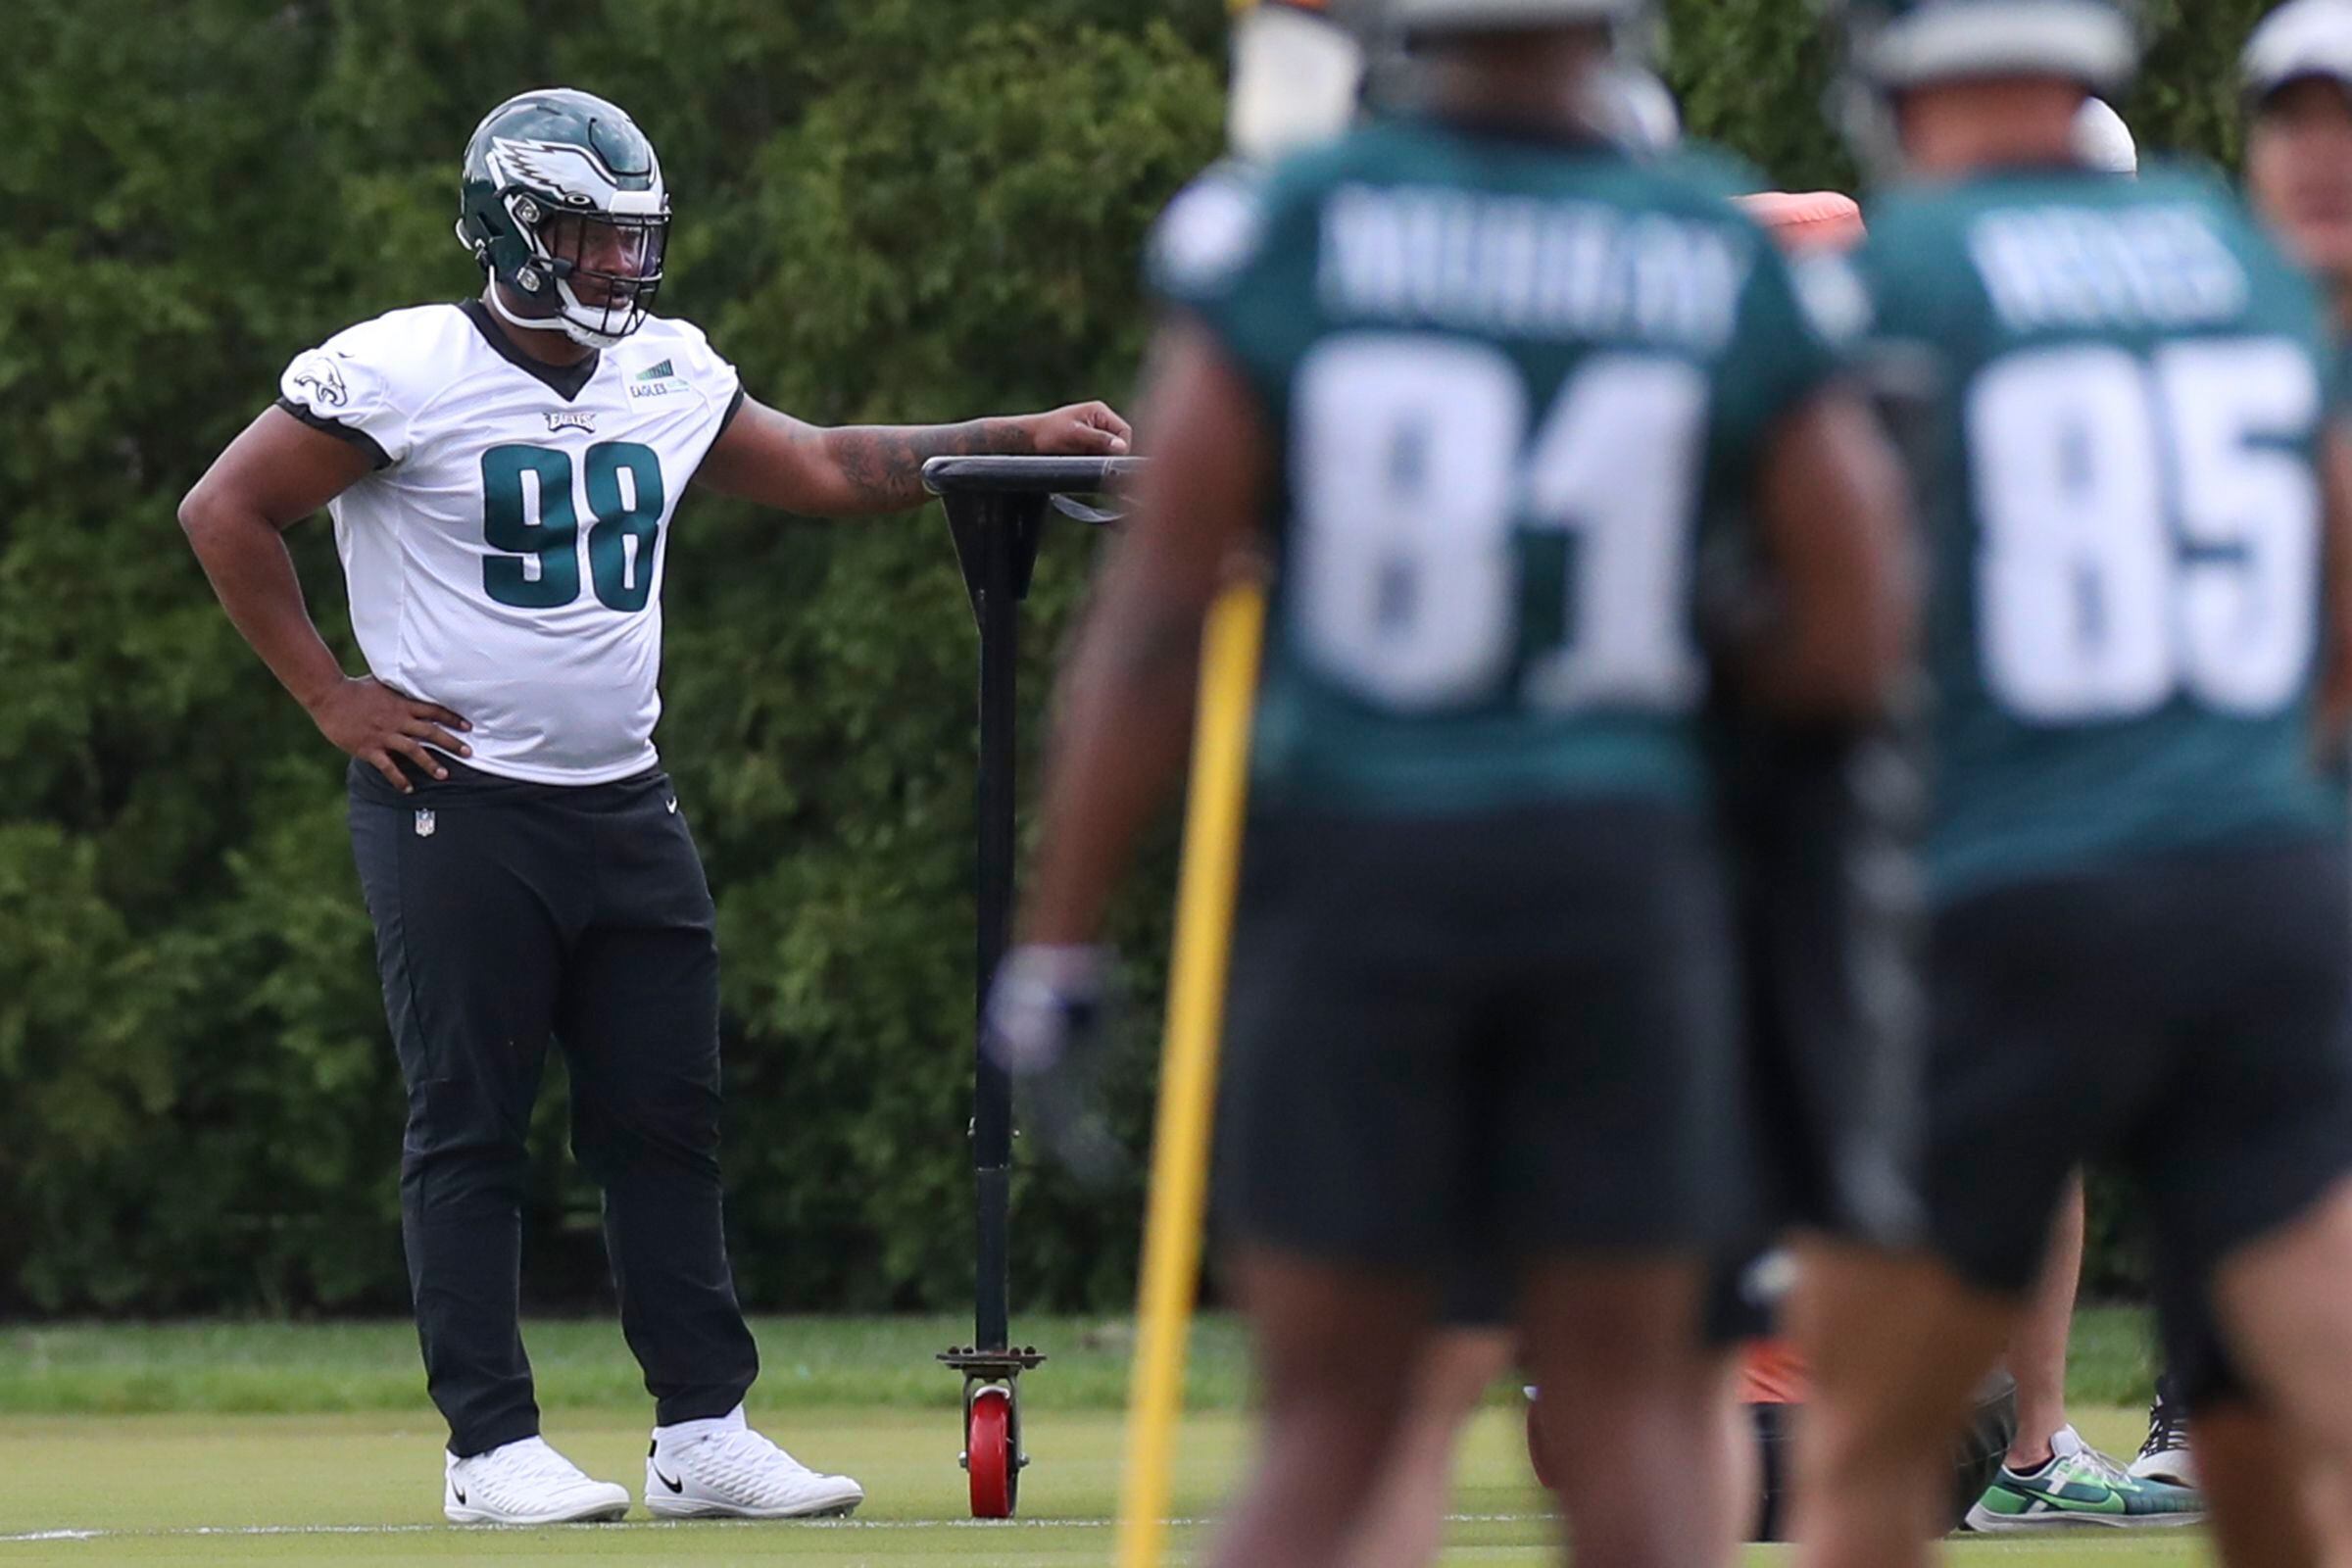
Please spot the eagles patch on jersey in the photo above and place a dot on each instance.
(505, 558)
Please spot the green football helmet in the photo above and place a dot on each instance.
(563, 202)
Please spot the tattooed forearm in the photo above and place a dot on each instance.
(883, 465)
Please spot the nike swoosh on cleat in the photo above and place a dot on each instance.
(2108, 1502)
(674, 1486)
(460, 1496)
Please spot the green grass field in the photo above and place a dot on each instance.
(314, 1445)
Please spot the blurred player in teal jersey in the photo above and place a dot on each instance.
(2298, 76)
(2122, 403)
(2051, 1476)
(1474, 379)
(1299, 69)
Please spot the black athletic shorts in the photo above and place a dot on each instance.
(1484, 1039)
(1820, 828)
(2188, 1017)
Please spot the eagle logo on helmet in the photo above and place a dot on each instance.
(567, 169)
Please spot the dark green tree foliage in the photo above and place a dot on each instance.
(895, 209)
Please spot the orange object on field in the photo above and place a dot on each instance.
(1771, 1372)
(1811, 221)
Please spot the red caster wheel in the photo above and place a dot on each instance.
(1535, 1445)
(989, 1453)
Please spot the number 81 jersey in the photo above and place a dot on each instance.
(504, 557)
(1507, 380)
(2120, 394)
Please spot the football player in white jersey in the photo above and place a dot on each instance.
(502, 474)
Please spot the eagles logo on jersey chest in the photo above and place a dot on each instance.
(572, 419)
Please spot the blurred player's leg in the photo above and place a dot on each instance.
(1631, 1395)
(2284, 1300)
(1896, 1346)
(2037, 1349)
(2328, 1504)
(1334, 1345)
(2255, 1475)
(1405, 1524)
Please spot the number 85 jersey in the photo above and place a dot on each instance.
(2117, 394)
(505, 556)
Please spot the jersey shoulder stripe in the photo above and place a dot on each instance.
(377, 456)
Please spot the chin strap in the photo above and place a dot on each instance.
(541, 324)
(559, 323)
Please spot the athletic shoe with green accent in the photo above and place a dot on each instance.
(2081, 1486)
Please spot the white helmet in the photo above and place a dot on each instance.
(1639, 110)
(2300, 39)
(2103, 142)
(1893, 44)
(1425, 17)
(1296, 75)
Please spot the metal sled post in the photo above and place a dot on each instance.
(997, 509)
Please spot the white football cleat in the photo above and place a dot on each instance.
(722, 1469)
(2166, 1455)
(525, 1483)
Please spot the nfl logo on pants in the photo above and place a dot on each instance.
(424, 825)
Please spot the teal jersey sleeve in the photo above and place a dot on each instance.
(1785, 347)
(1716, 171)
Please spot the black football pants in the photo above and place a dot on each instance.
(506, 914)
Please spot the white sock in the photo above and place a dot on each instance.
(668, 1440)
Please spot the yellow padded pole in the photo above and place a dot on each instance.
(1176, 1211)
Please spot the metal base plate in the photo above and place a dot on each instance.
(988, 1365)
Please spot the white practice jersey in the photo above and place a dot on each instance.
(505, 558)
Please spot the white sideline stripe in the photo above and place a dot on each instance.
(697, 1525)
